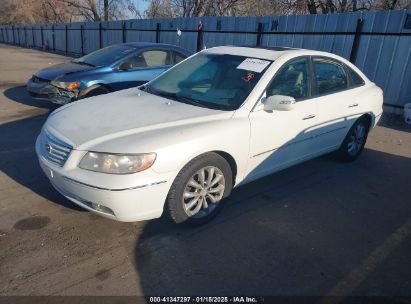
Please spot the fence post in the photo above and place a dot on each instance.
(25, 36)
(158, 29)
(32, 37)
(65, 40)
(123, 31)
(12, 31)
(100, 34)
(260, 29)
(81, 38)
(356, 42)
(199, 36)
(42, 36)
(53, 37)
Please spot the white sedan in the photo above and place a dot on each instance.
(220, 119)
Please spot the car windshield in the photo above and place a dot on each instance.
(217, 81)
(105, 56)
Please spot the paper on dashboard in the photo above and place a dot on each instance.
(253, 64)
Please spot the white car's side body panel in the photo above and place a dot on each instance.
(256, 142)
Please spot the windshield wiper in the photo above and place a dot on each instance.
(189, 100)
(177, 97)
(145, 88)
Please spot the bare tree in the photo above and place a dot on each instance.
(97, 10)
(55, 11)
(27, 11)
(342, 6)
(192, 8)
(161, 9)
(392, 4)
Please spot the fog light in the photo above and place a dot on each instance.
(101, 208)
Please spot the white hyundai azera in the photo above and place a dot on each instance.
(219, 119)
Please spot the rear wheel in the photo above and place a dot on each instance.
(198, 192)
(354, 141)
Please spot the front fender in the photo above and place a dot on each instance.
(231, 137)
(176, 146)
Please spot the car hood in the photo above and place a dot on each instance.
(92, 121)
(57, 70)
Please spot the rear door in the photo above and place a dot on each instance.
(337, 103)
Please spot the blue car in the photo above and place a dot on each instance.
(109, 69)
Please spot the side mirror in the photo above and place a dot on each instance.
(279, 103)
(125, 66)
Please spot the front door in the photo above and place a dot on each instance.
(282, 138)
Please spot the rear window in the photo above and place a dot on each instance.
(356, 79)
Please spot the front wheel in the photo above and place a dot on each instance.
(354, 141)
(94, 91)
(198, 192)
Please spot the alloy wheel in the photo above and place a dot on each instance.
(203, 191)
(357, 138)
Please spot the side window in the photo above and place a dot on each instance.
(356, 79)
(330, 76)
(154, 58)
(291, 80)
(135, 61)
(176, 57)
(151, 58)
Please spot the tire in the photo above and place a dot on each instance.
(95, 91)
(178, 207)
(354, 141)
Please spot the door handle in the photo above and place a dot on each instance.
(353, 105)
(309, 117)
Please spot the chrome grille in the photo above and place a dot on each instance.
(54, 149)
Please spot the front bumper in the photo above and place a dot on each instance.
(45, 90)
(143, 201)
(39, 89)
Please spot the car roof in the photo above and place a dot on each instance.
(268, 53)
(151, 44)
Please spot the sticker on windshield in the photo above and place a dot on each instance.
(254, 65)
(248, 77)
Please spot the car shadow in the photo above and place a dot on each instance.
(18, 158)
(19, 94)
(299, 232)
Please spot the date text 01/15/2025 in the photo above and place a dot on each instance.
(205, 299)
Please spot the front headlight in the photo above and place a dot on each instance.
(66, 85)
(117, 163)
